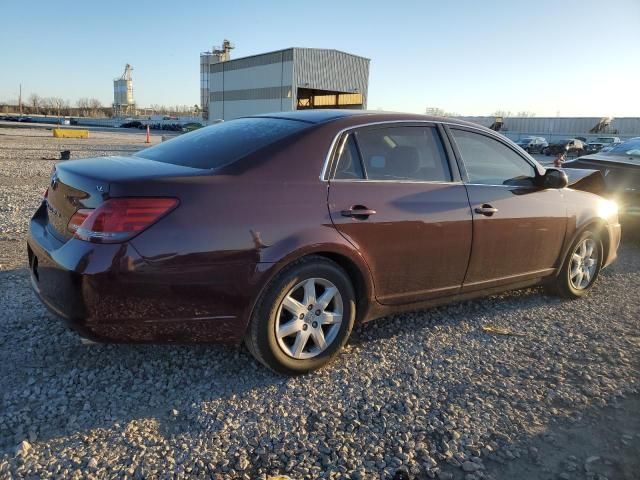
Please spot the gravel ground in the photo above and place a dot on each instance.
(428, 393)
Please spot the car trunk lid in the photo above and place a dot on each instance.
(620, 176)
(586, 180)
(69, 191)
(87, 183)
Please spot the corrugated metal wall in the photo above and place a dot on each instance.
(331, 70)
(560, 127)
(251, 85)
(268, 82)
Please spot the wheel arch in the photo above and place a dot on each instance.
(598, 225)
(363, 291)
(350, 261)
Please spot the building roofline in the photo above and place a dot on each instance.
(331, 50)
(290, 48)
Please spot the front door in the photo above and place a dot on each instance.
(518, 228)
(393, 196)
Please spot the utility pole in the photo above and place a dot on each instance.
(20, 100)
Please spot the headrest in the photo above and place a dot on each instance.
(404, 161)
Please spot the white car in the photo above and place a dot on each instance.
(602, 144)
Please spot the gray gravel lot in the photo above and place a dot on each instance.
(429, 393)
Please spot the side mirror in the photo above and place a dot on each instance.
(554, 178)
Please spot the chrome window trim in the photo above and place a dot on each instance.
(490, 133)
(515, 148)
(365, 180)
(533, 187)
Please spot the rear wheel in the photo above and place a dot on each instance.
(581, 267)
(304, 317)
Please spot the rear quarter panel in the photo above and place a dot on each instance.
(235, 229)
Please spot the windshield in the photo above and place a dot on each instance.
(605, 140)
(221, 144)
(526, 140)
(630, 147)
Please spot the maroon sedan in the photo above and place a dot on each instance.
(285, 230)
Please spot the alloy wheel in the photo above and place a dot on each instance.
(584, 262)
(308, 319)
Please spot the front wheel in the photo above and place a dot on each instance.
(303, 318)
(580, 269)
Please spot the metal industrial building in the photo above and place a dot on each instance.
(555, 128)
(284, 80)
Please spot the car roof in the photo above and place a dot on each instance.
(372, 116)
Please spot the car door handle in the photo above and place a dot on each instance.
(486, 210)
(359, 212)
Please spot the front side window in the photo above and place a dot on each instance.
(490, 162)
(403, 153)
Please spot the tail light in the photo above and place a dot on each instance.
(119, 219)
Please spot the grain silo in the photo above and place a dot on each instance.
(123, 102)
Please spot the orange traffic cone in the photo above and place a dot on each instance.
(148, 140)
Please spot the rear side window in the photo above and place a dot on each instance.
(349, 166)
(404, 153)
(221, 144)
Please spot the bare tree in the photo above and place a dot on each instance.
(83, 106)
(94, 106)
(526, 113)
(439, 112)
(47, 105)
(35, 101)
(60, 106)
(502, 113)
(436, 111)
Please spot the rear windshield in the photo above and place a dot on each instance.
(221, 144)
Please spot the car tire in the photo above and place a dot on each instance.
(580, 268)
(288, 326)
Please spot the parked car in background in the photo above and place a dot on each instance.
(533, 144)
(572, 147)
(620, 168)
(173, 127)
(132, 124)
(190, 127)
(599, 143)
(283, 231)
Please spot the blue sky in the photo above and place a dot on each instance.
(471, 57)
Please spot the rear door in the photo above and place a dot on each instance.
(395, 197)
(518, 228)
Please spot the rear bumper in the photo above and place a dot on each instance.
(110, 293)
